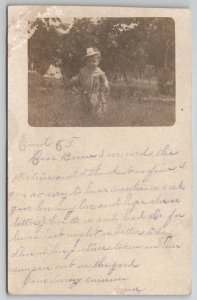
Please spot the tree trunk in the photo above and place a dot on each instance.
(126, 78)
(168, 43)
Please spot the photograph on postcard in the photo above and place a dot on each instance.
(99, 151)
(107, 71)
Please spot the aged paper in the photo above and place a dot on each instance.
(99, 151)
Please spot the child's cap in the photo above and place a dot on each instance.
(91, 52)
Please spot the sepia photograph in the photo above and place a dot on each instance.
(101, 72)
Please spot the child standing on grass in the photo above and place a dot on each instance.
(93, 83)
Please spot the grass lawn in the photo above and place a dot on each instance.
(51, 104)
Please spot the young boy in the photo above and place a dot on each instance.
(92, 82)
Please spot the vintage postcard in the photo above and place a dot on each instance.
(99, 151)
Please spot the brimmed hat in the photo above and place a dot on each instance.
(91, 52)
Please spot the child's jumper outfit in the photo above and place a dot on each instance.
(92, 85)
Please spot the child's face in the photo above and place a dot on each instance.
(92, 61)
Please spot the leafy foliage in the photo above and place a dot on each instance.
(126, 44)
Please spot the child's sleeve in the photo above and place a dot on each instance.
(104, 81)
